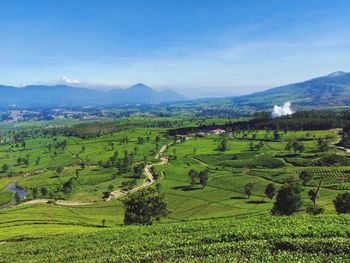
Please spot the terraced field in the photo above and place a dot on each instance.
(90, 168)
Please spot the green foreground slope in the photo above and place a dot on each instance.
(262, 238)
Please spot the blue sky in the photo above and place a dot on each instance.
(197, 47)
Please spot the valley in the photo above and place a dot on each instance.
(76, 178)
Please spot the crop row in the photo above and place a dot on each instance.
(264, 239)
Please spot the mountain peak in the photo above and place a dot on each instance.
(140, 86)
(337, 74)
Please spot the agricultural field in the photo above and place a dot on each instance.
(238, 165)
(246, 239)
(69, 185)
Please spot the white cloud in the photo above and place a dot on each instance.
(67, 80)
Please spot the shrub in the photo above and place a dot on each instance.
(314, 209)
(342, 203)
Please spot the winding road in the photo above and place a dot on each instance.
(148, 171)
(339, 138)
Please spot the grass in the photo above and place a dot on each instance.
(6, 197)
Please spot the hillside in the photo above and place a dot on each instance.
(330, 90)
(62, 95)
(257, 239)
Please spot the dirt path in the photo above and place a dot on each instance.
(57, 202)
(338, 140)
(148, 171)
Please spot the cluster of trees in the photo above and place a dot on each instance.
(296, 146)
(43, 192)
(270, 190)
(303, 120)
(345, 142)
(257, 146)
(288, 198)
(199, 177)
(219, 112)
(323, 145)
(98, 128)
(127, 185)
(25, 161)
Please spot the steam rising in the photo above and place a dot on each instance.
(284, 110)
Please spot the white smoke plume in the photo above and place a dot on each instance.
(284, 110)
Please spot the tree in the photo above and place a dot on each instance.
(203, 177)
(298, 147)
(288, 147)
(144, 206)
(35, 192)
(5, 168)
(138, 169)
(223, 145)
(17, 198)
(276, 135)
(193, 175)
(127, 160)
(59, 170)
(140, 140)
(314, 194)
(305, 176)
(270, 191)
(288, 200)
(248, 189)
(68, 186)
(301, 148)
(342, 203)
(43, 191)
(295, 146)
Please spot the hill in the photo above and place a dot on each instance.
(62, 95)
(330, 90)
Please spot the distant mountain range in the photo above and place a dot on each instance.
(330, 90)
(63, 95)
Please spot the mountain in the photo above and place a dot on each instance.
(330, 90)
(141, 93)
(62, 95)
